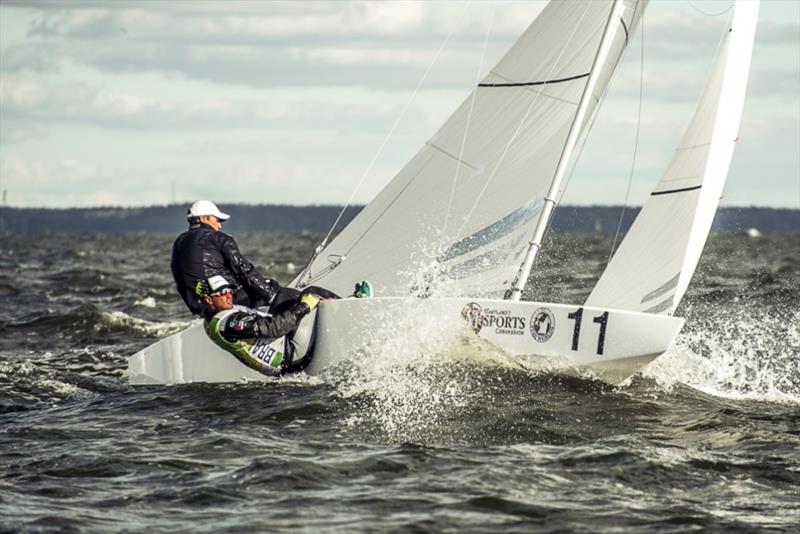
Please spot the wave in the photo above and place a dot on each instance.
(426, 388)
(27, 385)
(421, 386)
(116, 319)
(88, 321)
(741, 352)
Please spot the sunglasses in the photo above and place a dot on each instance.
(221, 292)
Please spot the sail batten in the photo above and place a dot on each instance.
(672, 191)
(452, 156)
(541, 82)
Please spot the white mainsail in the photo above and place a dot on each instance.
(654, 264)
(463, 208)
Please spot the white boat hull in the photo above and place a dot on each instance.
(613, 343)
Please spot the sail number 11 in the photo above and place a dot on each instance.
(601, 319)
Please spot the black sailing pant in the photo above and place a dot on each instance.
(284, 299)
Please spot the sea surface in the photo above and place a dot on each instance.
(706, 438)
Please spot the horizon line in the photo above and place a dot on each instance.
(179, 205)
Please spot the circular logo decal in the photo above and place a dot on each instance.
(473, 314)
(543, 324)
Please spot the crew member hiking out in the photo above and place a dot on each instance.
(204, 251)
(271, 343)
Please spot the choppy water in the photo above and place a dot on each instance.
(707, 438)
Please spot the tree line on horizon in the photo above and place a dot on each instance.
(171, 219)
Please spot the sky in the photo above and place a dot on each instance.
(134, 103)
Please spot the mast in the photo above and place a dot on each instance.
(535, 244)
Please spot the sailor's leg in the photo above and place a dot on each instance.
(284, 299)
(321, 292)
(302, 343)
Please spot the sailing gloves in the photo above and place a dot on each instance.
(310, 300)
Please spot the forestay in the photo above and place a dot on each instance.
(654, 264)
(459, 214)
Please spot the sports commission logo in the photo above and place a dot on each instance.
(473, 314)
(503, 321)
(543, 324)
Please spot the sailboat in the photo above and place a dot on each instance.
(450, 242)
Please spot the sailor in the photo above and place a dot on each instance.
(204, 251)
(272, 343)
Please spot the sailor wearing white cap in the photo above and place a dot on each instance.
(205, 208)
(206, 212)
(204, 251)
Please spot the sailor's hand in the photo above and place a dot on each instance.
(310, 301)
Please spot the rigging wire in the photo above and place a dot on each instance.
(396, 197)
(321, 246)
(635, 148)
(466, 131)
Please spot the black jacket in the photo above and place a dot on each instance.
(201, 252)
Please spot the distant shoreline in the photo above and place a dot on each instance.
(170, 219)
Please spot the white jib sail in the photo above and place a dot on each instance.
(654, 264)
(457, 217)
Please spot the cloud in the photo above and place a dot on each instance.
(30, 58)
(263, 44)
(672, 36)
(773, 33)
(38, 173)
(274, 44)
(81, 182)
(267, 20)
(113, 102)
(774, 82)
(43, 101)
(36, 96)
(15, 132)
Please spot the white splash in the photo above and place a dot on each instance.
(415, 374)
(147, 302)
(63, 389)
(753, 354)
(148, 327)
(753, 232)
(25, 374)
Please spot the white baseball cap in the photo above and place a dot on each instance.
(206, 207)
(217, 283)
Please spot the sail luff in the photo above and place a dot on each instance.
(724, 138)
(515, 291)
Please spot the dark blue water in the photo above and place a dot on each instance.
(706, 438)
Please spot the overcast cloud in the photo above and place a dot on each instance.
(134, 103)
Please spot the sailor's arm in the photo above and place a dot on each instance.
(245, 271)
(244, 325)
